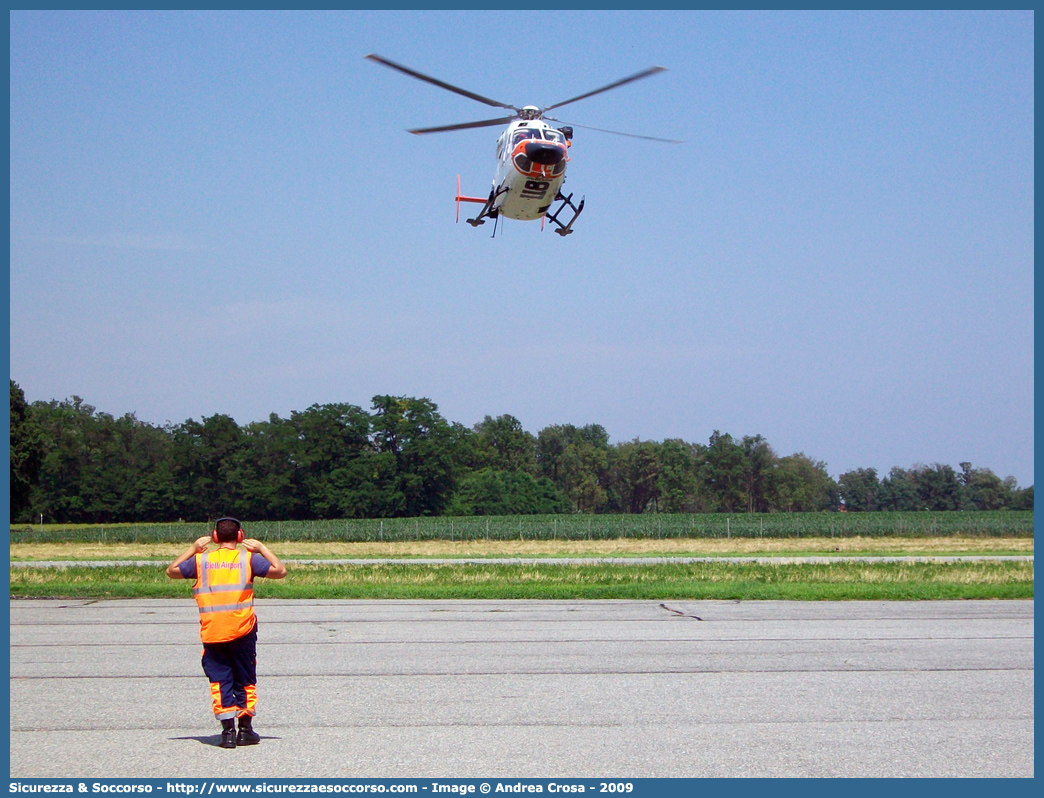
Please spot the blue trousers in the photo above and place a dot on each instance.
(232, 670)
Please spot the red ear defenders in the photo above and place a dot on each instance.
(239, 534)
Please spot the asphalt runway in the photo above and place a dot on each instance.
(516, 689)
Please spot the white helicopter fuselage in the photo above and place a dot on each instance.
(531, 163)
(531, 155)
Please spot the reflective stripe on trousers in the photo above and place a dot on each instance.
(231, 668)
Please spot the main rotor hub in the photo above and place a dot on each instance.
(529, 112)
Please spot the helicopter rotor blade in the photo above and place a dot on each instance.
(616, 132)
(464, 125)
(441, 84)
(637, 76)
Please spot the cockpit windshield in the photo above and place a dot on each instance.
(522, 135)
(545, 134)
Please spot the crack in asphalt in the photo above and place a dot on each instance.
(679, 613)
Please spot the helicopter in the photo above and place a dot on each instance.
(531, 156)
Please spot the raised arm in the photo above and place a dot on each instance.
(278, 570)
(198, 545)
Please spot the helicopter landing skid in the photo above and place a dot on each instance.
(487, 211)
(566, 202)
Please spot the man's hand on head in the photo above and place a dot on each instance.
(278, 570)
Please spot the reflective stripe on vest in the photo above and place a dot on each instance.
(224, 593)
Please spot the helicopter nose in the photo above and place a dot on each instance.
(544, 152)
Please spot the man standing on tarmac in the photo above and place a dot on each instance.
(224, 592)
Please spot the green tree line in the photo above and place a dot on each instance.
(73, 464)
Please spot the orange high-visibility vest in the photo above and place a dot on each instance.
(224, 593)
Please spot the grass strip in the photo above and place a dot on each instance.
(802, 582)
(616, 547)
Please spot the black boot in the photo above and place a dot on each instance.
(228, 734)
(247, 735)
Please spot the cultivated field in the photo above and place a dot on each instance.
(649, 526)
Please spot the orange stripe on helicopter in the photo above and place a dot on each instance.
(536, 169)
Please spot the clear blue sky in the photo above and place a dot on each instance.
(223, 213)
